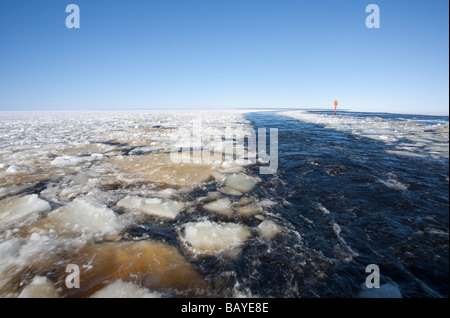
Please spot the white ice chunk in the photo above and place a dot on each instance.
(15, 208)
(35, 237)
(222, 206)
(268, 229)
(266, 203)
(405, 153)
(250, 210)
(120, 289)
(69, 161)
(322, 209)
(10, 247)
(156, 207)
(230, 191)
(85, 215)
(240, 182)
(80, 178)
(209, 238)
(40, 287)
(13, 169)
(214, 195)
(218, 176)
(167, 193)
(235, 169)
(394, 184)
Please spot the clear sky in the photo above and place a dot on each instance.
(171, 54)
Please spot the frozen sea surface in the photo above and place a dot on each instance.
(100, 190)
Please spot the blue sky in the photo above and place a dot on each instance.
(172, 54)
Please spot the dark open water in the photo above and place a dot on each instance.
(342, 217)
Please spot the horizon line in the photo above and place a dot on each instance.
(237, 108)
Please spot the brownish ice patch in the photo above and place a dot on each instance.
(158, 167)
(156, 266)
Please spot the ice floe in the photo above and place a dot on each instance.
(153, 206)
(268, 229)
(69, 161)
(80, 178)
(40, 287)
(16, 208)
(222, 206)
(249, 210)
(208, 237)
(240, 182)
(155, 266)
(83, 216)
(158, 167)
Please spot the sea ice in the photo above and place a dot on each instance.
(121, 289)
(20, 258)
(13, 169)
(266, 203)
(10, 248)
(221, 206)
(15, 208)
(323, 209)
(405, 153)
(155, 266)
(424, 138)
(69, 161)
(80, 178)
(235, 169)
(249, 210)
(229, 191)
(83, 216)
(154, 206)
(268, 229)
(158, 167)
(240, 182)
(209, 237)
(40, 287)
